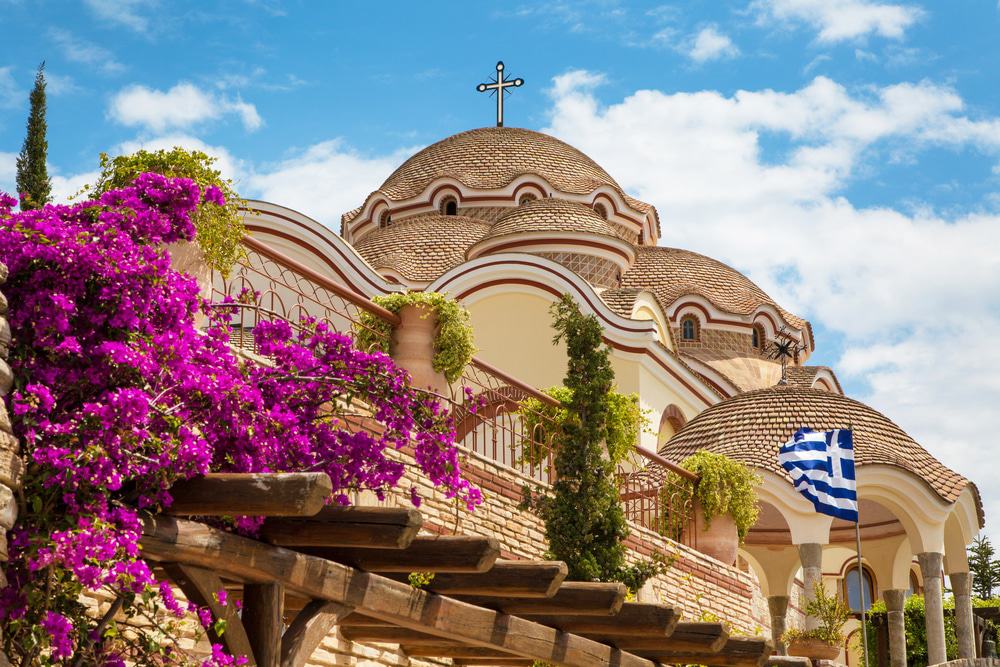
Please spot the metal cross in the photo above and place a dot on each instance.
(782, 349)
(498, 87)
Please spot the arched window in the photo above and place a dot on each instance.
(601, 210)
(757, 337)
(859, 594)
(385, 220)
(525, 198)
(914, 585)
(689, 328)
(449, 206)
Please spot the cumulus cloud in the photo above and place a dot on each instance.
(839, 20)
(8, 172)
(10, 94)
(81, 51)
(914, 298)
(324, 180)
(126, 13)
(182, 106)
(710, 44)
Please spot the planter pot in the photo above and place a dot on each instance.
(720, 540)
(187, 257)
(413, 348)
(813, 648)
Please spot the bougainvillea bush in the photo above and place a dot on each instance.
(118, 394)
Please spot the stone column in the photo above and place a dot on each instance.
(961, 586)
(894, 599)
(777, 605)
(10, 463)
(930, 568)
(811, 557)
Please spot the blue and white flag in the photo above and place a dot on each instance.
(821, 464)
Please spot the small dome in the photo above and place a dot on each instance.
(491, 157)
(751, 427)
(552, 215)
(670, 273)
(423, 247)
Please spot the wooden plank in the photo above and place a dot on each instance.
(636, 619)
(263, 618)
(691, 637)
(452, 651)
(393, 635)
(369, 527)
(263, 494)
(507, 578)
(576, 598)
(357, 620)
(307, 631)
(426, 553)
(506, 662)
(737, 652)
(201, 586)
(178, 540)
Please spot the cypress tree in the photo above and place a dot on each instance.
(32, 175)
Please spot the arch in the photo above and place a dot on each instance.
(866, 593)
(449, 205)
(758, 337)
(804, 523)
(385, 219)
(671, 421)
(918, 508)
(690, 329)
(956, 558)
(601, 210)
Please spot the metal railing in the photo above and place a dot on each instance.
(491, 416)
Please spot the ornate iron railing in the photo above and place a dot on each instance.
(657, 494)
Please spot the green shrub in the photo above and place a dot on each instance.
(831, 613)
(724, 486)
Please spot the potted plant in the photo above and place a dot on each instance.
(723, 503)
(822, 642)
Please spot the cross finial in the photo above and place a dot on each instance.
(498, 87)
(783, 349)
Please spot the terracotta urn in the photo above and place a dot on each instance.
(413, 348)
(187, 257)
(813, 648)
(720, 540)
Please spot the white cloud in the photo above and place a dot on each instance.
(230, 166)
(914, 297)
(182, 106)
(86, 53)
(839, 20)
(710, 44)
(323, 181)
(121, 12)
(8, 172)
(10, 95)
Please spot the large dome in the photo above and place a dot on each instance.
(491, 157)
(751, 427)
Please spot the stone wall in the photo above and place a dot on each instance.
(10, 465)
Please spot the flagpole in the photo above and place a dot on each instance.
(861, 579)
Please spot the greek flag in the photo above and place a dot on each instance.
(821, 464)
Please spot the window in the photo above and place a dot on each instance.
(914, 585)
(385, 220)
(526, 199)
(601, 210)
(757, 337)
(689, 328)
(856, 591)
(449, 206)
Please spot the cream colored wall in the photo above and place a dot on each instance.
(514, 333)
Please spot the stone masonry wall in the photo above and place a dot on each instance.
(10, 464)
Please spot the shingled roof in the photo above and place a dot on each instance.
(423, 247)
(804, 376)
(670, 273)
(751, 427)
(552, 215)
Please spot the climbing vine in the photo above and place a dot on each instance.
(454, 343)
(584, 521)
(724, 486)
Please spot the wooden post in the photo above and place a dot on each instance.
(263, 619)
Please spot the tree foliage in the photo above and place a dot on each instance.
(584, 522)
(984, 567)
(219, 228)
(724, 486)
(33, 181)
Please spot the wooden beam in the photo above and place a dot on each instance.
(635, 619)
(393, 635)
(263, 618)
(451, 651)
(168, 539)
(307, 631)
(369, 527)
(253, 494)
(507, 578)
(576, 598)
(426, 553)
(506, 662)
(690, 637)
(357, 620)
(737, 652)
(201, 586)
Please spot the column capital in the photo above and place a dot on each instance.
(931, 563)
(894, 598)
(961, 583)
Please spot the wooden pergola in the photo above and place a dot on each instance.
(317, 567)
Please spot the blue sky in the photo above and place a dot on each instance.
(844, 153)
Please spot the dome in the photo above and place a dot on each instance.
(751, 427)
(670, 273)
(552, 215)
(491, 157)
(423, 247)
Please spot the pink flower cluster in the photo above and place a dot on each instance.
(118, 395)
